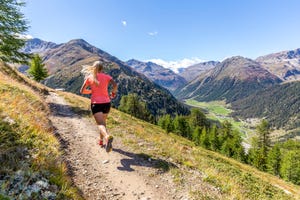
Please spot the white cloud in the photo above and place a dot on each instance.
(22, 36)
(154, 33)
(175, 65)
(124, 23)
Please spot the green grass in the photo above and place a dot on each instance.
(213, 107)
(218, 110)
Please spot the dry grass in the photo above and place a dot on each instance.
(27, 140)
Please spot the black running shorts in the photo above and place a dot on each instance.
(101, 107)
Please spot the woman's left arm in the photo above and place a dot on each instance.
(84, 89)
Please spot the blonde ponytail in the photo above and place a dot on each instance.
(97, 67)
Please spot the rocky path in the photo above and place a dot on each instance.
(119, 174)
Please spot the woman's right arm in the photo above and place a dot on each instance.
(84, 89)
(115, 88)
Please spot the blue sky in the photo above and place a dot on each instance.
(170, 31)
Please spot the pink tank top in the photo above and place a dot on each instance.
(100, 91)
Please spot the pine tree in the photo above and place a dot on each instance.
(237, 148)
(37, 69)
(166, 123)
(254, 153)
(196, 135)
(197, 118)
(132, 105)
(274, 160)
(213, 138)
(169, 124)
(290, 166)
(264, 143)
(225, 132)
(12, 26)
(204, 140)
(182, 127)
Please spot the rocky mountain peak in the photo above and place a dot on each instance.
(36, 45)
(285, 64)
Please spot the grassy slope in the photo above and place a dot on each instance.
(232, 179)
(29, 152)
(31, 130)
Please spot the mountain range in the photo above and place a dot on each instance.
(230, 80)
(240, 81)
(65, 62)
(160, 75)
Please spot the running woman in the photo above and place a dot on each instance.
(97, 85)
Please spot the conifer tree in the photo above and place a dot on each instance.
(197, 118)
(290, 166)
(196, 135)
(204, 140)
(254, 157)
(37, 69)
(166, 123)
(213, 138)
(132, 105)
(12, 26)
(181, 126)
(264, 143)
(237, 148)
(169, 124)
(274, 160)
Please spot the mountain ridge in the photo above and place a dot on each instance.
(284, 64)
(233, 78)
(191, 72)
(157, 73)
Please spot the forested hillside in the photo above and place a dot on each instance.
(279, 104)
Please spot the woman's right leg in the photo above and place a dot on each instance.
(100, 119)
(101, 122)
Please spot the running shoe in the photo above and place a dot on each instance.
(101, 143)
(108, 146)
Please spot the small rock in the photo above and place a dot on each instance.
(145, 198)
(42, 184)
(48, 195)
(105, 161)
(9, 120)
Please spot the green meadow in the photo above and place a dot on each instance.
(219, 110)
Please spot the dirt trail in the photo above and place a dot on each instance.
(100, 175)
